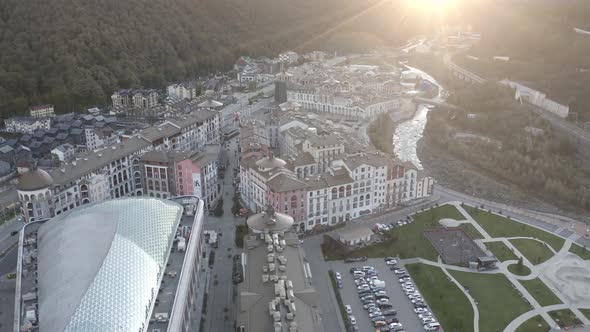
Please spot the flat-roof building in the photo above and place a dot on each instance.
(277, 293)
(136, 273)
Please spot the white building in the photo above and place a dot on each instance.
(289, 57)
(26, 125)
(64, 152)
(118, 163)
(42, 111)
(185, 90)
(135, 98)
(97, 138)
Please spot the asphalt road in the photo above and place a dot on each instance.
(221, 307)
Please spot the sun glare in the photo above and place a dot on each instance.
(434, 5)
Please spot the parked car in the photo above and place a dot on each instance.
(368, 301)
(404, 279)
(348, 309)
(420, 310)
(363, 287)
(338, 276)
(379, 323)
(368, 296)
(400, 271)
(379, 293)
(391, 262)
(382, 297)
(378, 318)
(352, 320)
(432, 327)
(428, 320)
(374, 313)
(420, 305)
(368, 267)
(373, 309)
(370, 305)
(384, 305)
(389, 312)
(425, 315)
(396, 326)
(354, 269)
(391, 320)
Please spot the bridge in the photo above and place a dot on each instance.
(461, 73)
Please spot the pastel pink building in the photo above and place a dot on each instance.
(288, 196)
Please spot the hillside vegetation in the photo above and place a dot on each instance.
(75, 53)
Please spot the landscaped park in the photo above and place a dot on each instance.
(540, 279)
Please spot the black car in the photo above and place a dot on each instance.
(13, 233)
(420, 305)
(382, 297)
(385, 305)
(389, 312)
(364, 292)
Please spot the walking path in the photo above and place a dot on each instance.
(537, 271)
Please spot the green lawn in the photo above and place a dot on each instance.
(519, 270)
(535, 251)
(446, 300)
(564, 318)
(498, 302)
(584, 253)
(498, 226)
(409, 241)
(472, 231)
(535, 324)
(586, 312)
(540, 292)
(501, 251)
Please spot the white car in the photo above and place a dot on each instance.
(391, 262)
(414, 295)
(352, 320)
(338, 276)
(381, 293)
(425, 315)
(432, 326)
(406, 279)
(348, 309)
(382, 301)
(420, 310)
(363, 287)
(373, 309)
(396, 326)
(417, 300)
(428, 320)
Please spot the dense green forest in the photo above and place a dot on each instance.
(510, 142)
(75, 53)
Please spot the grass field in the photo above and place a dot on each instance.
(409, 241)
(498, 226)
(564, 318)
(535, 324)
(586, 312)
(540, 292)
(519, 270)
(472, 231)
(580, 251)
(489, 291)
(446, 300)
(501, 251)
(535, 251)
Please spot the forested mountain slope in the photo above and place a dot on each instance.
(73, 53)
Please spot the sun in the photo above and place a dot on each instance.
(433, 5)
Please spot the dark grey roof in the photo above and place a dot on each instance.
(34, 179)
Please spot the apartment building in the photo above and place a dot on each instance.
(42, 111)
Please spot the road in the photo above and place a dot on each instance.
(221, 306)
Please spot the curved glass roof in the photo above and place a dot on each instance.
(99, 266)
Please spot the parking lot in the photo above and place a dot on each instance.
(399, 300)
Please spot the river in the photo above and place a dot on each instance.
(408, 133)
